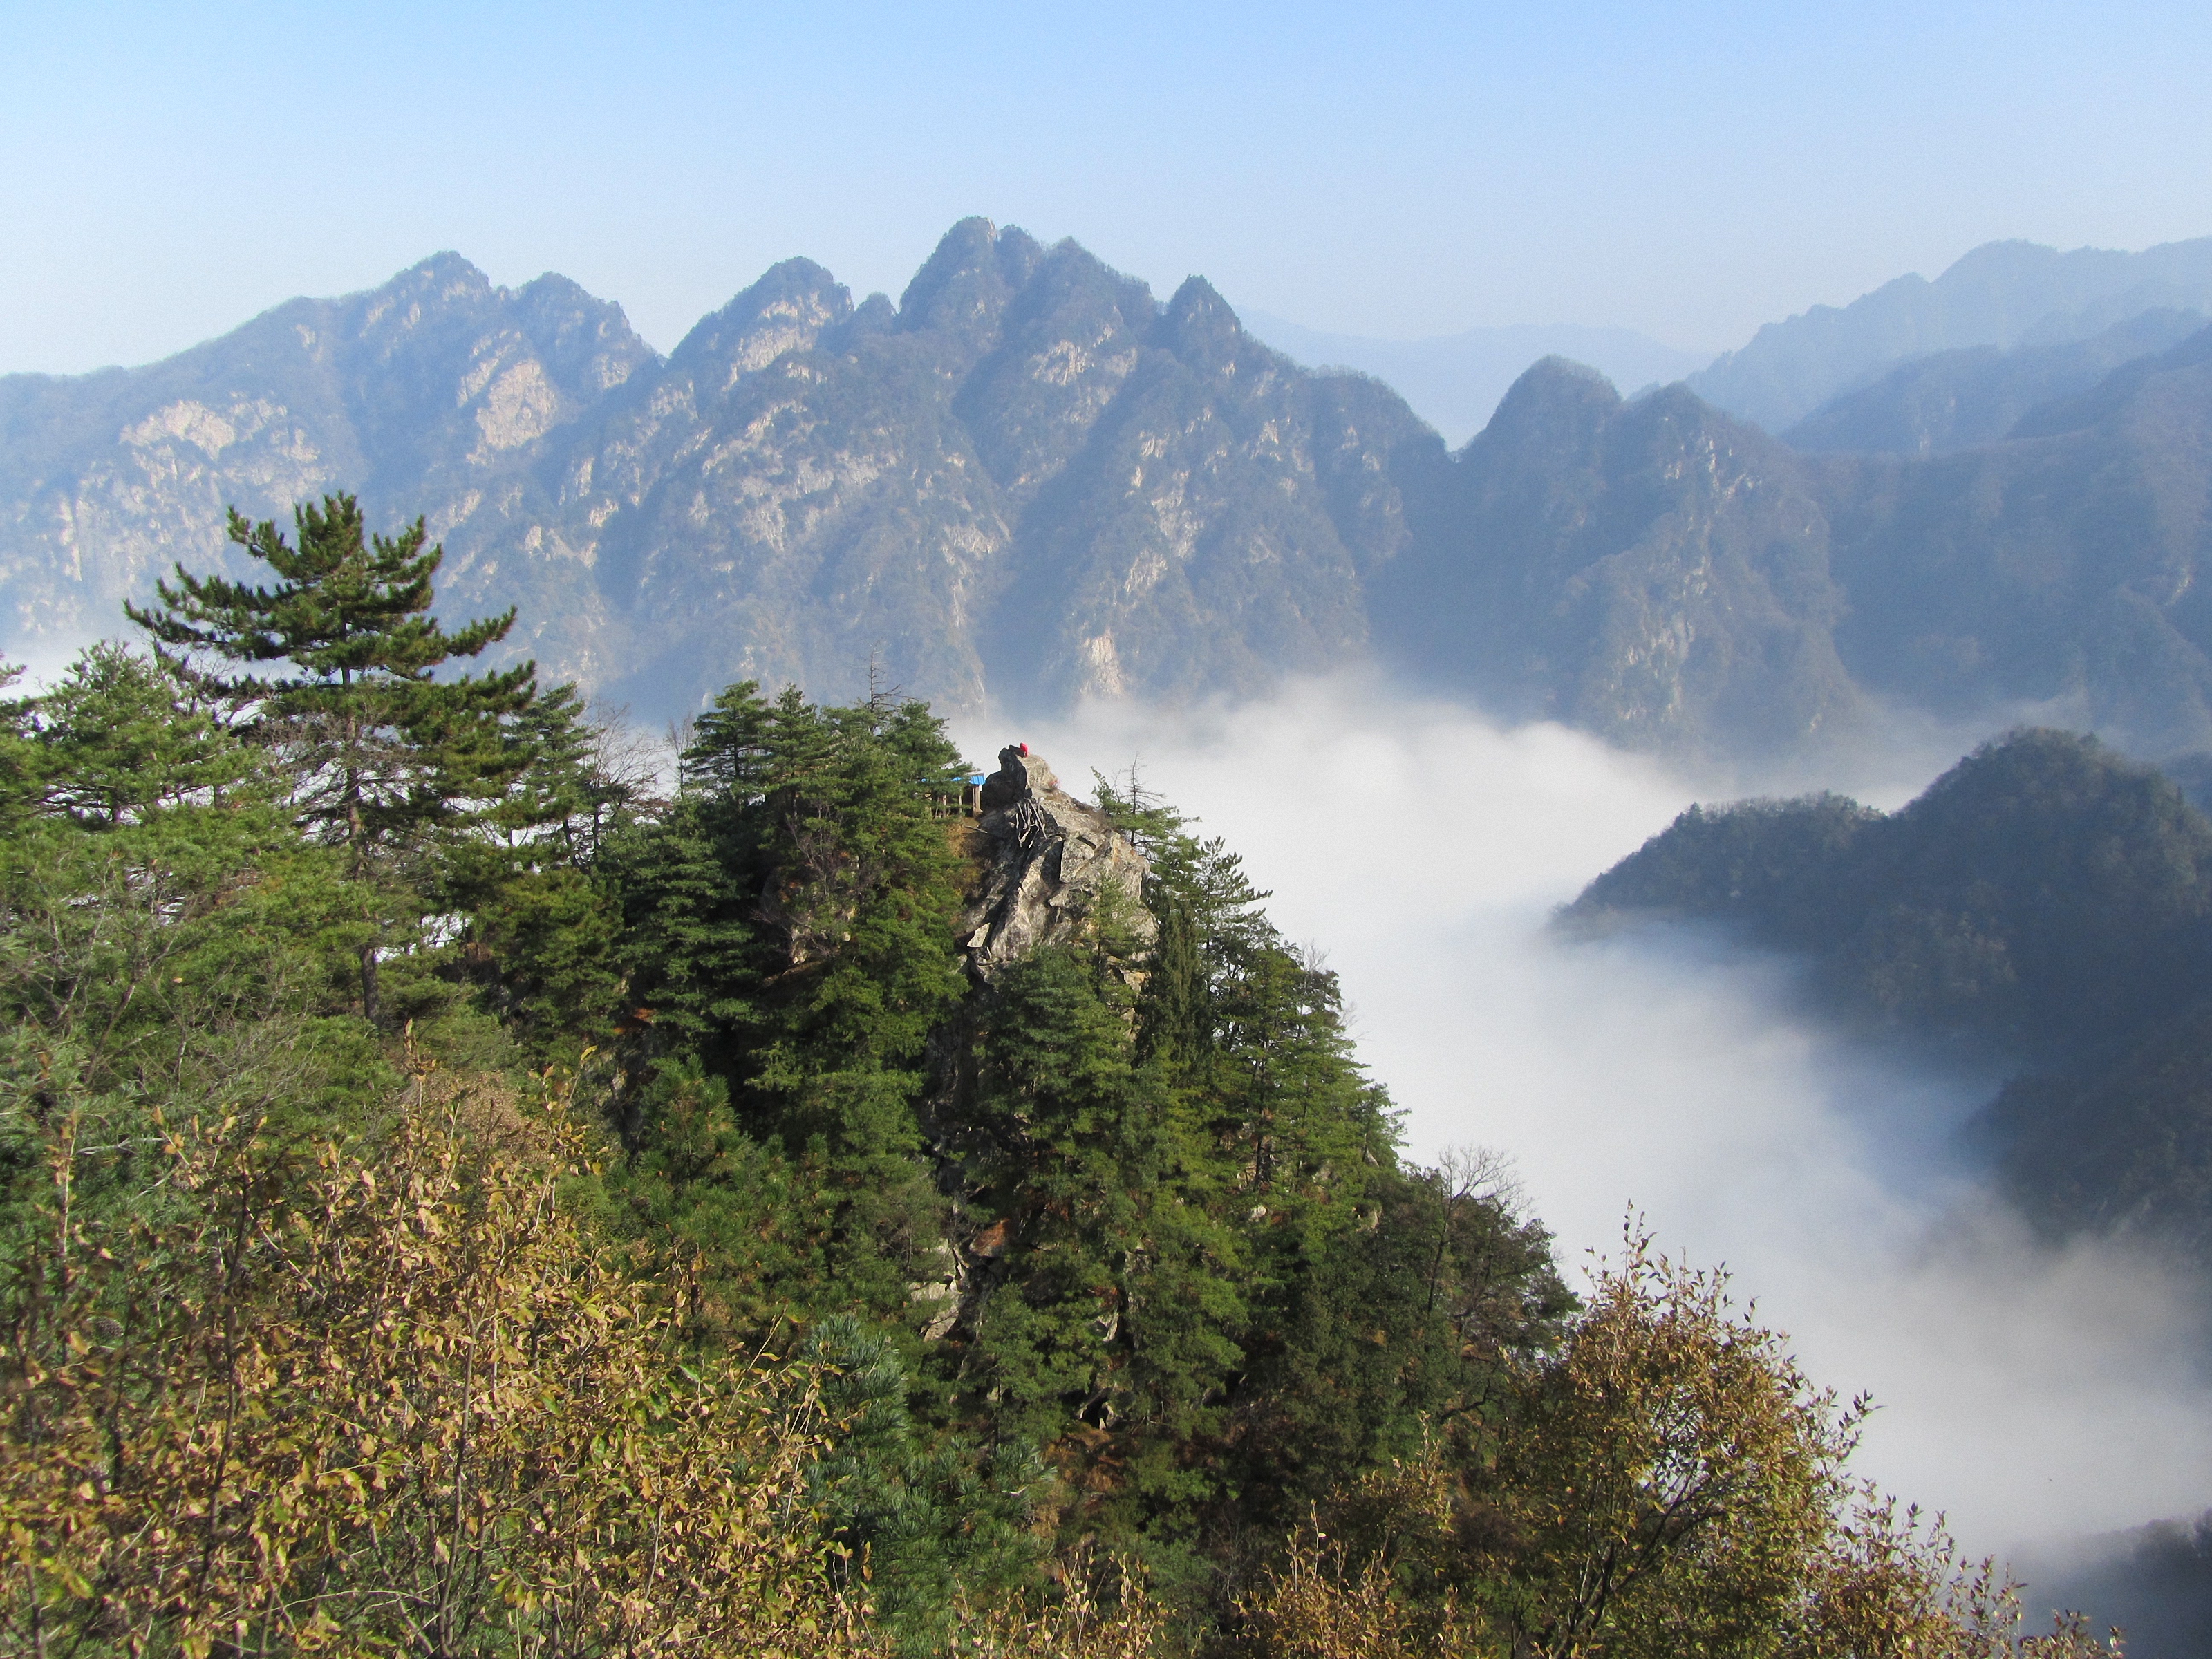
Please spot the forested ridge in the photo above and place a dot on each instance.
(471, 1189)
(2046, 903)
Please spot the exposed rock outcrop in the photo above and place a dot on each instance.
(1051, 866)
(1049, 869)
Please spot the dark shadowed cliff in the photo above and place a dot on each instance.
(2045, 902)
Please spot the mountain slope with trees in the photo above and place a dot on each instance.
(572, 1288)
(2045, 902)
(1030, 482)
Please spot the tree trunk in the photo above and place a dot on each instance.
(368, 1010)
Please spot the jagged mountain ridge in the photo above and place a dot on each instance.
(1651, 570)
(1028, 478)
(1454, 381)
(1667, 575)
(1027, 481)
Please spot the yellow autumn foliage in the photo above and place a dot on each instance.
(402, 1404)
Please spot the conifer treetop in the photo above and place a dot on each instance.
(350, 606)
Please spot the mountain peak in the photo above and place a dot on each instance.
(1199, 326)
(786, 310)
(965, 285)
(1555, 400)
(445, 276)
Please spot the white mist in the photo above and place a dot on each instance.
(2030, 1394)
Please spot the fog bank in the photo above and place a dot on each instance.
(2032, 1395)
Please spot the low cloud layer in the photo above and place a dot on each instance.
(2032, 1395)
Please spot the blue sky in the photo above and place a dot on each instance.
(1391, 169)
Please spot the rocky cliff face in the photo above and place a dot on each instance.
(1027, 481)
(1049, 867)
(437, 393)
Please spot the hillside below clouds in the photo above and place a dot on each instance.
(2046, 905)
(1030, 481)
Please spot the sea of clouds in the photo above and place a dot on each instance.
(2034, 1394)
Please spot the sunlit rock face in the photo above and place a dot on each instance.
(1029, 483)
(438, 394)
(1050, 868)
(1025, 482)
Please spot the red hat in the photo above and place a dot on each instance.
(1026, 749)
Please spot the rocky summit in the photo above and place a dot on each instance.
(1048, 867)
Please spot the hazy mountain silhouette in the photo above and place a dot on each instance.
(2001, 293)
(1454, 381)
(1953, 400)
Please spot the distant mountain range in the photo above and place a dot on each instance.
(1454, 381)
(1952, 400)
(1030, 481)
(2002, 294)
(1661, 573)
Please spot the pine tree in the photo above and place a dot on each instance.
(382, 752)
(123, 734)
(20, 770)
(789, 926)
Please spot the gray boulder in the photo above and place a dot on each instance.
(1052, 867)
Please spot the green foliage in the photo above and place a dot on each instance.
(1112, 1247)
(1401, 1333)
(928, 1522)
(1113, 1309)
(1194, 1269)
(122, 735)
(379, 753)
(789, 922)
(388, 749)
(169, 944)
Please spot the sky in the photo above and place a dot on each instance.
(1394, 170)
